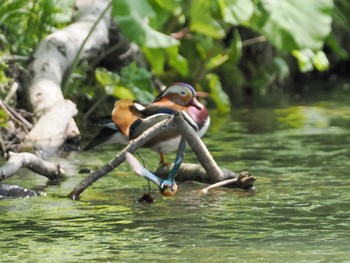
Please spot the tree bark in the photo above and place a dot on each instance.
(51, 60)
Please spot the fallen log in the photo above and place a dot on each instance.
(32, 162)
(53, 57)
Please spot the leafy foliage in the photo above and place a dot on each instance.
(24, 23)
(182, 35)
(132, 83)
(218, 46)
(294, 24)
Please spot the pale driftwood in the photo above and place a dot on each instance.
(244, 180)
(51, 60)
(51, 137)
(30, 161)
(175, 122)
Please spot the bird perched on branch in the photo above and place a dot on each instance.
(129, 120)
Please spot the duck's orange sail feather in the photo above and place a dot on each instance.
(124, 114)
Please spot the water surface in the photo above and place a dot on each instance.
(299, 211)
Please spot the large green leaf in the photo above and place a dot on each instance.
(133, 19)
(202, 20)
(295, 24)
(236, 11)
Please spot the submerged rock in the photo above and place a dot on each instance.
(15, 191)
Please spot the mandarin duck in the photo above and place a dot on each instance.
(129, 120)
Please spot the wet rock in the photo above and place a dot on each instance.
(15, 191)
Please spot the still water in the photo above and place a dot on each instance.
(299, 211)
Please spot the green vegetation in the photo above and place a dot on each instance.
(22, 25)
(221, 47)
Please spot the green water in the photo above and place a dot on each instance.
(299, 211)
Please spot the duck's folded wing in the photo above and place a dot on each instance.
(109, 134)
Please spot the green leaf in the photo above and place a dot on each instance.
(122, 92)
(156, 58)
(281, 67)
(169, 5)
(105, 77)
(220, 98)
(236, 12)
(320, 61)
(3, 118)
(133, 19)
(155, 39)
(203, 46)
(235, 50)
(304, 58)
(216, 61)
(295, 24)
(138, 80)
(307, 60)
(177, 61)
(132, 75)
(202, 20)
(337, 49)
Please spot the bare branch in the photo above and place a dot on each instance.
(114, 163)
(32, 162)
(175, 122)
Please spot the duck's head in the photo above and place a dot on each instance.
(180, 93)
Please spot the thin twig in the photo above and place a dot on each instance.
(3, 147)
(222, 183)
(253, 41)
(114, 163)
(245, 180)
(12, 92)
(15, 58)
(93, 107)
(17, 118)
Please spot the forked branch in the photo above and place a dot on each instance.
(175, 122)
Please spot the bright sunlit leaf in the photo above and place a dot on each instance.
(236, 11)
(320, 61)
(218, 95)
(295, 24)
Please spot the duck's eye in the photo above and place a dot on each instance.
(183, 93)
